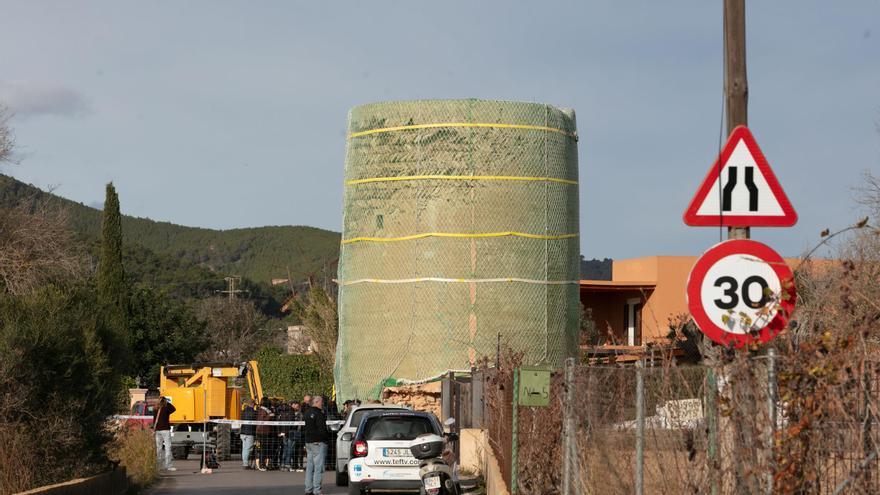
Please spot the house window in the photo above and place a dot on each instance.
(632, 321)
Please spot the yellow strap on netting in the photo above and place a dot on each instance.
(459, 177)
(470, 236)
(454, 280)
(527, 127)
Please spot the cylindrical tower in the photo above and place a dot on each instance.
(460, 226)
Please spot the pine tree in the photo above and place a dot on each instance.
(112, 289)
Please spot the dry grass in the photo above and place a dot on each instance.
(16, 469)
(135, 449)
(609, 470)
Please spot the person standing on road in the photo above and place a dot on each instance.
(162, 429)
(264, 434)
(296, 434)
(247, 433)
(285, 414)
(316, 436)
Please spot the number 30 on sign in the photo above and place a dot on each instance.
(741, 291)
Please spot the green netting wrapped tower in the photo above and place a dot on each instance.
(460, 224)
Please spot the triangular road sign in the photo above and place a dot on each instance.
(740, 190)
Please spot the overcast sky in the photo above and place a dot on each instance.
(229, 114)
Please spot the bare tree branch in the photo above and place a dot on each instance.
(36, 246)
(7, 138)
(235, 329)
(318, 314)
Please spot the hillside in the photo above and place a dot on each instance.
(259, 253)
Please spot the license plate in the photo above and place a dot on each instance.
(432, 483)
(396, 452)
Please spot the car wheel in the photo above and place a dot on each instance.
(354, 489)
(341, 478)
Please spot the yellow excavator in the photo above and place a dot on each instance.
(201, 392)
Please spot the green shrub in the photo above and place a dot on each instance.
(163, 330)
(292, 376)
(57, 384)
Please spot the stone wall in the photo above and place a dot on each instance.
(298, 342)
(422, 397)
(111, 483)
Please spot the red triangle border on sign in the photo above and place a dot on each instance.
(789, 217)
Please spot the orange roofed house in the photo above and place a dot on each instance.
(635, 307)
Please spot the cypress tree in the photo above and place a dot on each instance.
(112, 290)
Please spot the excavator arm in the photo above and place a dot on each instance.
(255, 384)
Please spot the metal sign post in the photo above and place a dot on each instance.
(514, 451)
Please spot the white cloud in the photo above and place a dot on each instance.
(27, 99)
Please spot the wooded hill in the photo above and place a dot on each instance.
(259, 254)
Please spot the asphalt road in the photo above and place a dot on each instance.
(231, 479)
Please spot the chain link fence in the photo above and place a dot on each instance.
(736, 426)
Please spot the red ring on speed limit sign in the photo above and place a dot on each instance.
(743, 265)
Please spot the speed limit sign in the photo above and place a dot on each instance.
(741, 291)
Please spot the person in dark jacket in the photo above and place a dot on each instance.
(162, 429)
(285, 413)
(298, 439)
(316, 435)
(264, 433)
(247, 433)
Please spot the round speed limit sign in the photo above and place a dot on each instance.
(741, 291)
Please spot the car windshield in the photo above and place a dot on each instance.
(397, 427)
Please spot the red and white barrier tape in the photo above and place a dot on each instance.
(237, 421)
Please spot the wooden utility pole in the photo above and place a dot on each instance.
(736, 84)
(736, 104)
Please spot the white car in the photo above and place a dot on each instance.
(345, 434)
(380, 449)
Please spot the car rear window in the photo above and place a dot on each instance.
(397, 427)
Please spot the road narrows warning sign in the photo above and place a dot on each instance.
(740, 189)
(741, 291)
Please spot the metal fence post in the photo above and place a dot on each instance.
(640, 428)
(514, 451)
(478, 388)
(772, 413)
(204, 425)
(568, 429)
(867, 418)
(446, 396)
(712, 427)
